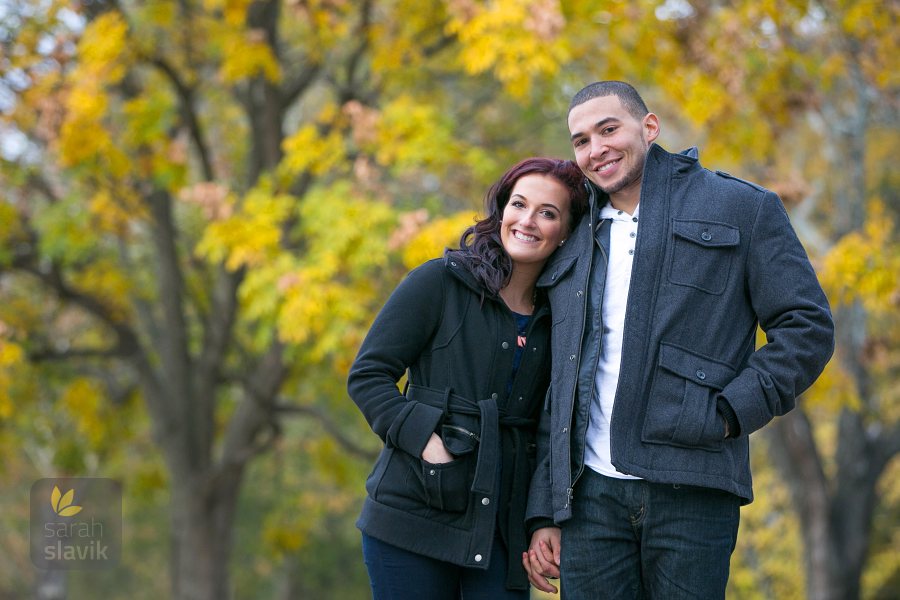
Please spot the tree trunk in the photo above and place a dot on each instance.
(203, 517)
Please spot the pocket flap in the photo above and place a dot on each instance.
(706, 233)
(555, 271)
(695, 367)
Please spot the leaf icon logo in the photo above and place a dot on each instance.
(62, 503)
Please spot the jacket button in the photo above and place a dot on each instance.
(494, 396)
(452, 263)
(552, 277)
(431, 472)
(485, 501)
(477, 558)
(565, 430)
(705, 236)
(700, 374)
(579, 293)
(572, 357)
(504, 345)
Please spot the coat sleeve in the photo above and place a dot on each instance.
(794, 314)
(539, 512)
(399, 334)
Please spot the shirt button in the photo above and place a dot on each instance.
(705, 236)
(477, 558)
(631, 251)
(620, 212)
(700, 374)
(632, 234)
(504, 345)
(485, 501)
(634, 219)
(431, 472)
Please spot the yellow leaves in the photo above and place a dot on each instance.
(865, 265)
(103, 59)
(84, 403)
(519, 39)
(327, 292)
(251, 235)
(432, 239)
(105, 280)
(309, 150)
(248, 55)
(12, 359)
(412, 133)
(103, 46)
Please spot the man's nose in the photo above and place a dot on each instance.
(598, 147)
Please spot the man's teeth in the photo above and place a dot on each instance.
(523, 237)
(607, 166)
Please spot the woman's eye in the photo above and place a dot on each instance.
(549, 214)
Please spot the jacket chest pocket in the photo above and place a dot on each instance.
(702, 254)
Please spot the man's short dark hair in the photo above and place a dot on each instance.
(629, 96)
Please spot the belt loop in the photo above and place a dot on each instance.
(446, 410)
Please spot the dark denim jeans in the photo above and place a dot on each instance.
(398, 574)
(635, 539)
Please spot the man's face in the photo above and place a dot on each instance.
(610, 144)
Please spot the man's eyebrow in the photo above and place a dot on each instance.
(597, 125)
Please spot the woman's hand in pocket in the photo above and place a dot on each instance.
(435, 452)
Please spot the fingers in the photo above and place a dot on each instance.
(549, 565)
(529, 562)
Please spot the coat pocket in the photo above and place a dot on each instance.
(447, 484)
(682, 406)
(702, 254)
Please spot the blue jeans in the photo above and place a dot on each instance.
(398, 574)
(636, 539)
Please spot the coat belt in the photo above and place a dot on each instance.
(492, 418)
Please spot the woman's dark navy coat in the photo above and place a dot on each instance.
(457, 343)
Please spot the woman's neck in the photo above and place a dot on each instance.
(518, 294)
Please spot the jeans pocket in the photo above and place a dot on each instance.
(447, 484)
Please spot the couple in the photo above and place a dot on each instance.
(582, 375)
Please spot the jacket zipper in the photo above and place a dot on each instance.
(570, 489)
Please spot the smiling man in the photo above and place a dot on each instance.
(643, 453)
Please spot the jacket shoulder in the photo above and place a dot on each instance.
(732, 178)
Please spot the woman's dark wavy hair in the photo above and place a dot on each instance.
(480, 247)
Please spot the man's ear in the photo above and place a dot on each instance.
(650, 125)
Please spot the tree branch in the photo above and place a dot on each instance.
(330, 427)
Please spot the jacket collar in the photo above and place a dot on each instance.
(462, 274)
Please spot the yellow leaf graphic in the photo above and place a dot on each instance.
(71, 510)
(54, 499)
(66, 500)
(61, 503)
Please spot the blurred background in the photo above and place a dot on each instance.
(203, 203)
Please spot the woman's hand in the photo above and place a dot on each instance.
(541, 561)
(435, 452)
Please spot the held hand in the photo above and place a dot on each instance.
(541, 561)
(435, 452)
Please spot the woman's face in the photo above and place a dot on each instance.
(536, 219)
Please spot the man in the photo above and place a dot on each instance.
(643, 455)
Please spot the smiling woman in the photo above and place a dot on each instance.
(444, 517)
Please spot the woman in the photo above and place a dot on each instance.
(444, 517)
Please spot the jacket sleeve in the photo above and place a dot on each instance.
(539, 511)
(794, 314)
(398, 336)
